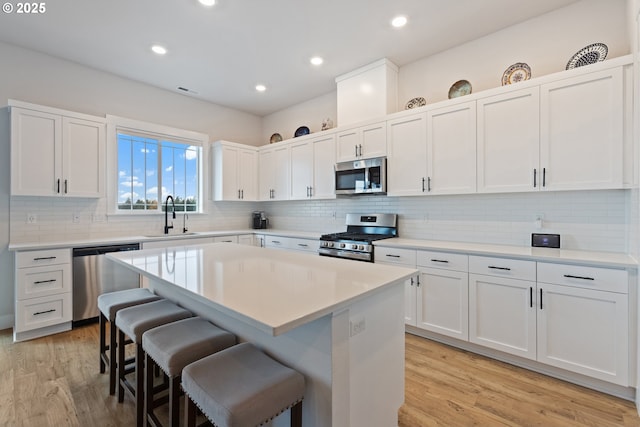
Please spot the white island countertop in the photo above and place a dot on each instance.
(272, 290)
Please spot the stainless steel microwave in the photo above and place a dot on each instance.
(367, 176)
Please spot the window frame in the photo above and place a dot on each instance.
(116, 125)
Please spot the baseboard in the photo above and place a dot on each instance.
(6, 321)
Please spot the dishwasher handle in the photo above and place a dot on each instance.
(100, 250)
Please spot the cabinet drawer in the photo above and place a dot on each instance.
(41, 312)
(225, 239)
(303, 245)
(276, 242)
(444, 260)
(603, 279)
(45, 257)
(503, 267)
(42, 281)
(395, 255)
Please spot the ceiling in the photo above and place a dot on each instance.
(221, 52)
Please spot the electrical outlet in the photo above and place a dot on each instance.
(357, 326)
(75, 217)
(537, 220)
(32, 218)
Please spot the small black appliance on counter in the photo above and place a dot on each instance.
(260, 220)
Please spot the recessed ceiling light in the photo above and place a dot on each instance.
(399, 21)
(207, 2)
(160, 50)
(261, 88)
(316, 60)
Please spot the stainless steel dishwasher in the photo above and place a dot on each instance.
(93, 275)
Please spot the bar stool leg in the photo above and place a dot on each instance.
(190, 412)
(113, 335)
(296, 415)
(120, 366)
(139, 385)
(103, 345)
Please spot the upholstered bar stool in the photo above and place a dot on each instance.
(109, 304)
(240, 387)
(172, 347)
(133, 322)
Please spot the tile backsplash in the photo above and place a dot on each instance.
(588, 220)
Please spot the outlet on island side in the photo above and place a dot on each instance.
(357, 325)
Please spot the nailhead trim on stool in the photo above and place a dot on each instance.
(172, 347)
(109, 304)
(240, 387)
(133, 322)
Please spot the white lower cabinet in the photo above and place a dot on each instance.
(404, 258)
(583, 320)
(43, 303)
(246, 239)
(443, 294)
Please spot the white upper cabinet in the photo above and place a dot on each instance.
(55, 153)
(451, 149)
(581, 132)
(508, 140)
(407, 156)
(362, 142)
(235, 172)
(312, 165)
(275, 171)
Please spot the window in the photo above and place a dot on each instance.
(150, 168)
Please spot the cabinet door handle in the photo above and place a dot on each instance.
(423, 184)
(499, 268)
(428, 184)
(310, 191)
(58, 184)
(540, 298)
(66, 186)
(535, 175)
(444, 261)
(531, 296)
(275, 242)
(37, 313)
(417, 281)
(303, 245)
(44, 258)
(393, 256)
(39, 282)
(356, 147)
(360, 146)
(571, 276)
(544, 177)
(238, 193)
(242, 193)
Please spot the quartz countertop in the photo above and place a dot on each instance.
(604, 259)
(97, 241)
(273, 290)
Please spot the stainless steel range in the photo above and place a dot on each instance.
(357, 242)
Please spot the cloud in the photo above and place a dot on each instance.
(154, 190)
(122, 174)
(133, 196)
(191, 153)
(169, 169)
(131, 181)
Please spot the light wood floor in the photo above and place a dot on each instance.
(54, 381)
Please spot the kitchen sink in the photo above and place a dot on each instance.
(152, 236)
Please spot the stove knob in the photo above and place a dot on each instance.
(361, 247)
(325, 244)
(330, 244)
(354, 246)
(342, 245)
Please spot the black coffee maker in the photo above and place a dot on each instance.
(259, 220)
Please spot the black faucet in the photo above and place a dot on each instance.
(166, 211)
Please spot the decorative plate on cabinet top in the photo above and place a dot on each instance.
(276, 137)
(591, 54)
(415, 103)
(302, 130)
(517, 72)
(460, 88)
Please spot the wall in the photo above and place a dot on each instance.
(588, 220)
(41, 79)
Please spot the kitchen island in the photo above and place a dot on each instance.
(338, 322)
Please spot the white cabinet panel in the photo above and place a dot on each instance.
(508, 140)
(235, 172)
(407, 157)
(275, 171)
(56, 155)
(443, 302)
(312, 168)
(502, 314)
(581, 132)
(584, 331)
(362, 142)
(451, 149)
